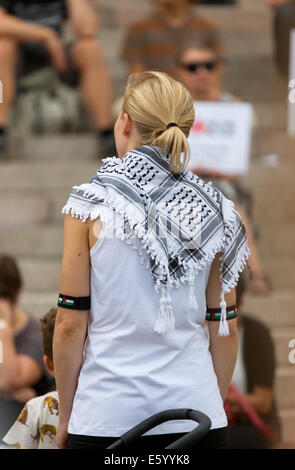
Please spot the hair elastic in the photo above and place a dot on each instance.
(172, 124)
(73, 303)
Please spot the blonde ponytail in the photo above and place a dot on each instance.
(153, 100)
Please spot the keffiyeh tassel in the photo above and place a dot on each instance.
(166, 319)
(223, 325)
(192, 306)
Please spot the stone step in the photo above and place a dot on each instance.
(40, 174)
(275, 239)
(284, 387)
(270, 115)
(274, 141)
(48, 201)
(284, 340)
(60, 148)
(259, 44)
(41, 274)
(287, 418)
(268, 137)
(38, 304)
(42, 240)
(253, 90)
(275, 309)
(280, 269)
(272, 177)
(116, 13)
(31, 236)
(21, 212)
(273, 206)
(249, 86)
(282, 278)
(36, 194)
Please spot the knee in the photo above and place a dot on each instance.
(8, 48)
(87, 52)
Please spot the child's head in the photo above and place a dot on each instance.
(47, 327)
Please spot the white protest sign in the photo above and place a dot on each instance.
(220, 139)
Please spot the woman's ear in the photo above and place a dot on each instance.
(127, 125)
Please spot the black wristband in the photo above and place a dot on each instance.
(214, 314)
(73, 303)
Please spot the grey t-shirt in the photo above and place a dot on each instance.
(28, 342)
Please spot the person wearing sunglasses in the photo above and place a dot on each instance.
(200, 69)
(153, 42)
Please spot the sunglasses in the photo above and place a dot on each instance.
(195, 66)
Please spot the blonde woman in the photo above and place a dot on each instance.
(150, 253)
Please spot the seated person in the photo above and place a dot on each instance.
(151, 44)
(30, 38)
(254, 378)
(35, 428)
(22, 371)
(198, 66)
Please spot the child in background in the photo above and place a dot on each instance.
(35, 428)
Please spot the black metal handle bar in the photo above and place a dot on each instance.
(185, 442)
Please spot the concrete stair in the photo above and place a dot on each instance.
(35, 186)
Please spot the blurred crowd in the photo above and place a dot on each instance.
(174, 39)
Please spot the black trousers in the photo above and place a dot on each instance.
(215, 439)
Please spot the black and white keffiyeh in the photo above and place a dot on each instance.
(176, 222)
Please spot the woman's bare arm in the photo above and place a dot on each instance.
(71, 325)
(223, 349)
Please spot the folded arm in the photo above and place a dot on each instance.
(15, 28)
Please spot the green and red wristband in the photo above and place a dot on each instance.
(73, 303)
(214, 314)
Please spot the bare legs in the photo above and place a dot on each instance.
(8, 58)
(95, 82)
